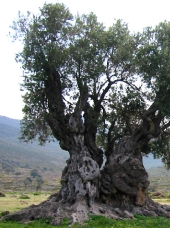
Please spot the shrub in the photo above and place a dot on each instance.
(3, 213)
(29, 179)
(37, 193)
(24, 197)
(34, 173)
(18, 173)
(2, 194)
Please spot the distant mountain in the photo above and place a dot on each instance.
(11, 122)
(159, 178)
(150, 162)
(28, 154)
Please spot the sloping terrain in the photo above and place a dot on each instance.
(159, 179)
(150, 162)
(20, 157)
(31, 154)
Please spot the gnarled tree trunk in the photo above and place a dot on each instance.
(80, 178)
(119, 190)
(124, 178)
(124, 182)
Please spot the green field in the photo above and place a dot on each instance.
(14, 201)
(98, 222)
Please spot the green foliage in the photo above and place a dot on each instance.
(37, 193)
(140, 221)
(3, 213)
(2, 194)
(153, 59)
(44, 40)
(154, 62)
(24, 197)
(75, 67)
(70, 62)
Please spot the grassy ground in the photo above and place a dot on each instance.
(99, 222)
(13, 202)
(163, 201)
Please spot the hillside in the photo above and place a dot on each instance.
(150, 162)
(16, 156)
(32, 153)
(49, 160)
(159, 179)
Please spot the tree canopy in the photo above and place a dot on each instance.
(107, 77)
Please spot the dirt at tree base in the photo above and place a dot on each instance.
(79, 211)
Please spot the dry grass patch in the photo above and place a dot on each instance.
(12, 201)
(163, 201)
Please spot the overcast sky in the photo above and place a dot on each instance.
(137, 13)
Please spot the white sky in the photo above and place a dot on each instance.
(137, 13)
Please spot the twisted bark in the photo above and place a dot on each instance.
(119, 190)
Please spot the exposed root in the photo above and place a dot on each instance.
(79, 211)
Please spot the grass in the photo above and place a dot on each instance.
(98, 222)
(24, 197)
(14, 201)
(163, 201)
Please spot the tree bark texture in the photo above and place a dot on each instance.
(118, 190)
(124, 178)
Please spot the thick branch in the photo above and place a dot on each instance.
(82, 98)
(91, 119)
(105, 91)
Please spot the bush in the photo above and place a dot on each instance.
(3, 213)
(2, 194)
(18, 173)
(34, 173)
(29, 179)
(24, 197)
(37, 193)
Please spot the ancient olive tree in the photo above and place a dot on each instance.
(146, 121)
(103, 94)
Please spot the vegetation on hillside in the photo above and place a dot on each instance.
(18, 160)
